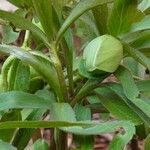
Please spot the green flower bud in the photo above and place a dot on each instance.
(103, 53)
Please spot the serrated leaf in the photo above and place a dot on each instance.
(116, 105)
(16, 99)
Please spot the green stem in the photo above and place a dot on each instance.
(58, 67)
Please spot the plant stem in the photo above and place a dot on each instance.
(58, 67)
(60, 139)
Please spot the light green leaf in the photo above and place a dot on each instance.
(144, 24)
(40, 144)
(127, 82)
(6, 146)
(145, 4)
(103, 53)
(82, 6)
(8, 35)
(14, 99)
(58, 5)
(122, 16)
(43, 10)
(22, 23)
(65, 112)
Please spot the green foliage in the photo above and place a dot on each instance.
(64, 60)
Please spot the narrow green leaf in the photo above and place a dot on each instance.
(5, 69)
(137, 55)
(116, 105)
(22, 23)
(58, 5)
(81, 7)
(43, 10)
(129, 86)
(145, 4)
(122, 16)
(12, 74)
(144, 24)
(40, 144)
(7, 134)
(14, 99)
(23, 136)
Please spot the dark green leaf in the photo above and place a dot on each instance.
(43, 10)
(122, 16)
(81, 7)
(128, 84)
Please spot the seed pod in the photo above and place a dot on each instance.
(103, 53)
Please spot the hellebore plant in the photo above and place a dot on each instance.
(61, 55)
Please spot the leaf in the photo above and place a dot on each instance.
(6, 146)
(139, 106)
(43, 10)
(58, 5)
(104, 53)
(147, 143)
(122, 16)
(22, 78)
(41, 65)
(130, 89)
(8, 35)
(101, 16)
(81, 7)
(22, 23)
(116, 106)
(83, 142)
(137, 55)
(12, 74)
(23, 136)
(65, 112)
(144, 5)
(7, 134)
(40, 144)
(14, 99)
(87, 88)
(142, 25)
(4, 72)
